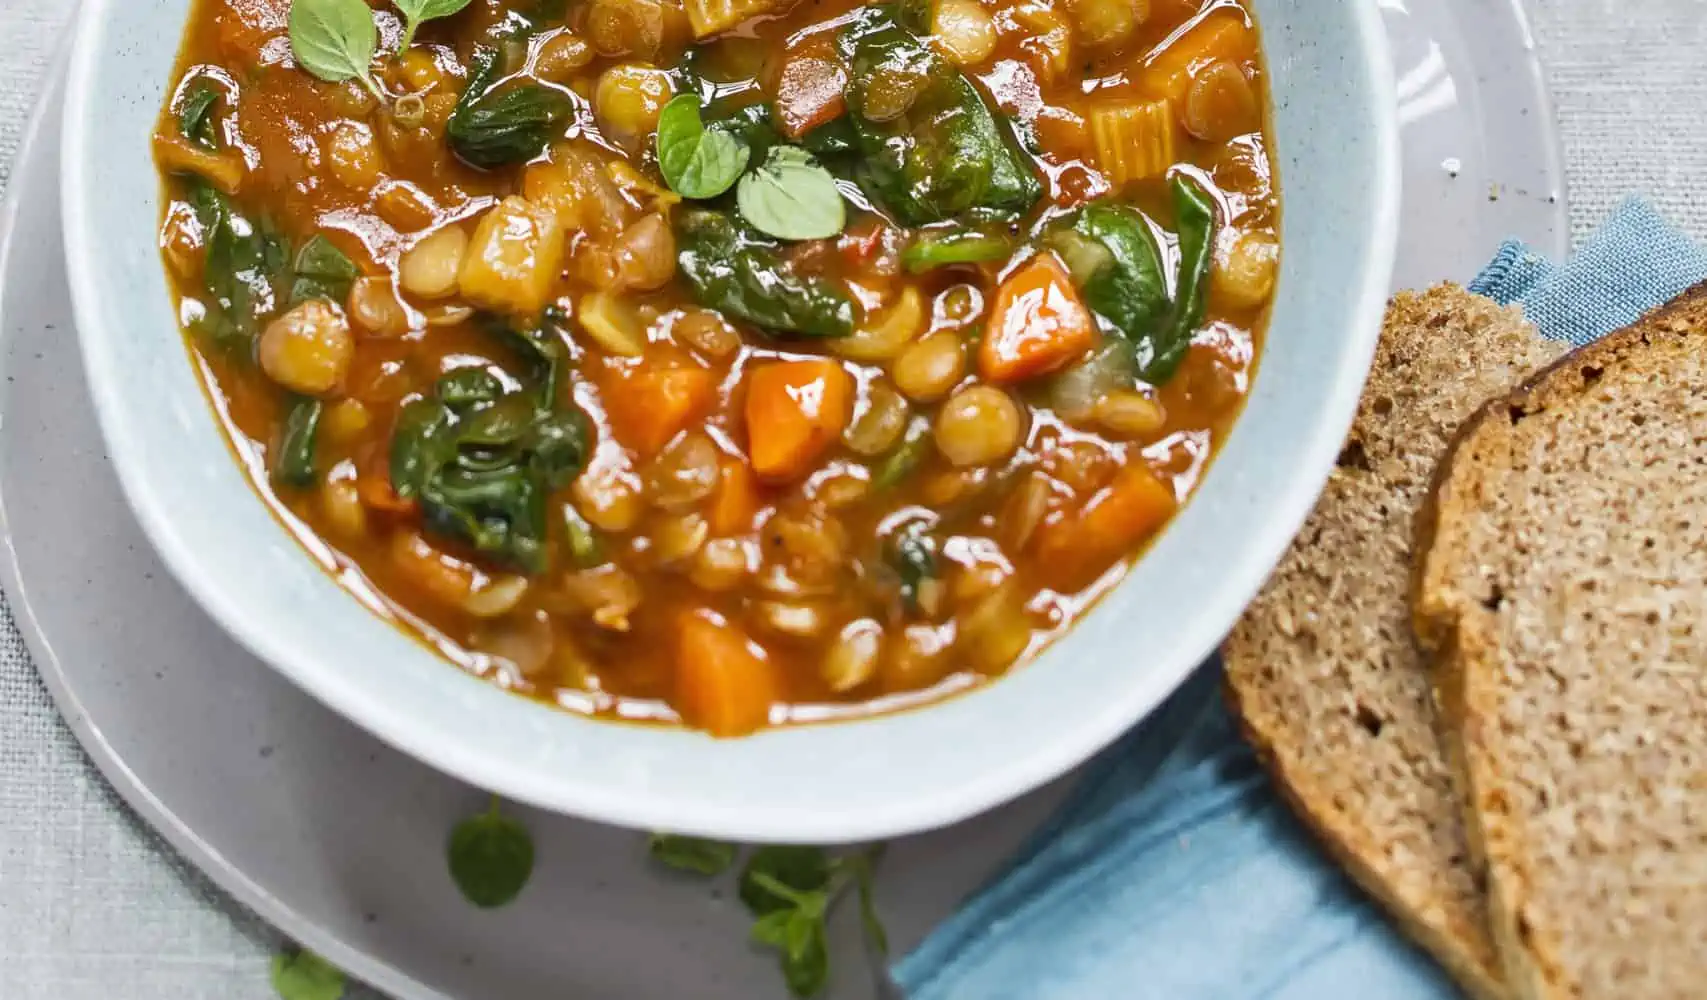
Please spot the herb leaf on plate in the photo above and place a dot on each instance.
(777, 874)
(303, 975)
(697, 162)
(335, 40)
(792, 197)
(491, 858)
(691, 854)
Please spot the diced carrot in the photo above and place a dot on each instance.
(795, 410)
(735, 503)
(810, 93)
(1037, 324)
(725, 683)
(649, 405)
(1222, 35)
(1076, 549)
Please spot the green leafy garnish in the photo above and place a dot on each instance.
(507, 127)
(792, 197)
(737, 271)
(196, 121)
(697, 162)
(293, 461)
(335, 40)
(691, 854)
(790, 890)
(243, 267)
(303, 975)
(491, 858)
(322, 272)
(417, 12)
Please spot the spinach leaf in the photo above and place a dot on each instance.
(934, 248)
(196, 120)
(1194, 215)
(322, 272)
(949, 153)
(737, 271)
(585, 552)
(335, 40)
(303, 975)
(911, 554)
(491, 858)
(293, 462)
(1113, 255)
(498, 509)
(509, 126)
(697, 162)
(792, 197)
(244, 264)
(691, 854)
(417, 12)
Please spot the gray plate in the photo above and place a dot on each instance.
(338, 840)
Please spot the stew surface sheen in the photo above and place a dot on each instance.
(865, 427)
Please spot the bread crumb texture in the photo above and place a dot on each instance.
(1323, 670)
(1565, 583)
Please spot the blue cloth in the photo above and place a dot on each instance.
(1173, 872)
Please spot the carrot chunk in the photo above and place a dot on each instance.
(649, 405)
(1037, 325)
(1075, 550)
(1221, 35)
(735, 503)
(725, 683)
(795, 410)
(810, 92)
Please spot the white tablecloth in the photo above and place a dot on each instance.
(93, 908)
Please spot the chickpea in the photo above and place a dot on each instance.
(629, 99)
(608, 499)
(1108, 22)
(979, 425)
(562, 55)
(931, 368)
(1130, 414)
(722, 564)
(308, 349)
(373, 306)
(707, 332)
(1220, 103)
(418, 70)
(355, 157)
(430, 269)
(646, 254)
(340, 502)
(965, 31)
(345, 421)
(1246, 278)
(880, 422)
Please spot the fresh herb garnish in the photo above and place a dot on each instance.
(792, 197)
(303, 975)
(697, 162)
(491, 858)
(691, 854)
(417, 12)
(335, 40)
(196, 121)
(791, 890)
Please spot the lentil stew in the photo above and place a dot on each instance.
(731, 363)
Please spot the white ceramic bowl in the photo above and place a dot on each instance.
(1337, 142)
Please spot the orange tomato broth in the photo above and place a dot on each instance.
(766, 594)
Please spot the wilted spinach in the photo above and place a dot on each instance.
(1194, 215)
(739, 272)
(482, 460)
(196, 115)
(508, 127)
(949, 153)
(244, 265)
(321, 271)
(293, 460)
(934, 248)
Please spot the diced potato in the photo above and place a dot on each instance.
(577, 188)
(1134, 140)
(515, 258)
(708, 17)
(175, 154)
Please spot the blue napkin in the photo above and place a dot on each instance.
(1173, 872)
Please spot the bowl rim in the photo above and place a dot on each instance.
(1016, 774)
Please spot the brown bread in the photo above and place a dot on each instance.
(1323, 671)
(1562, 580)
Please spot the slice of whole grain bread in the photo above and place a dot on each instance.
(1322, 670)
(1562, 581)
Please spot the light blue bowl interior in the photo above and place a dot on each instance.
(1337, 149)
